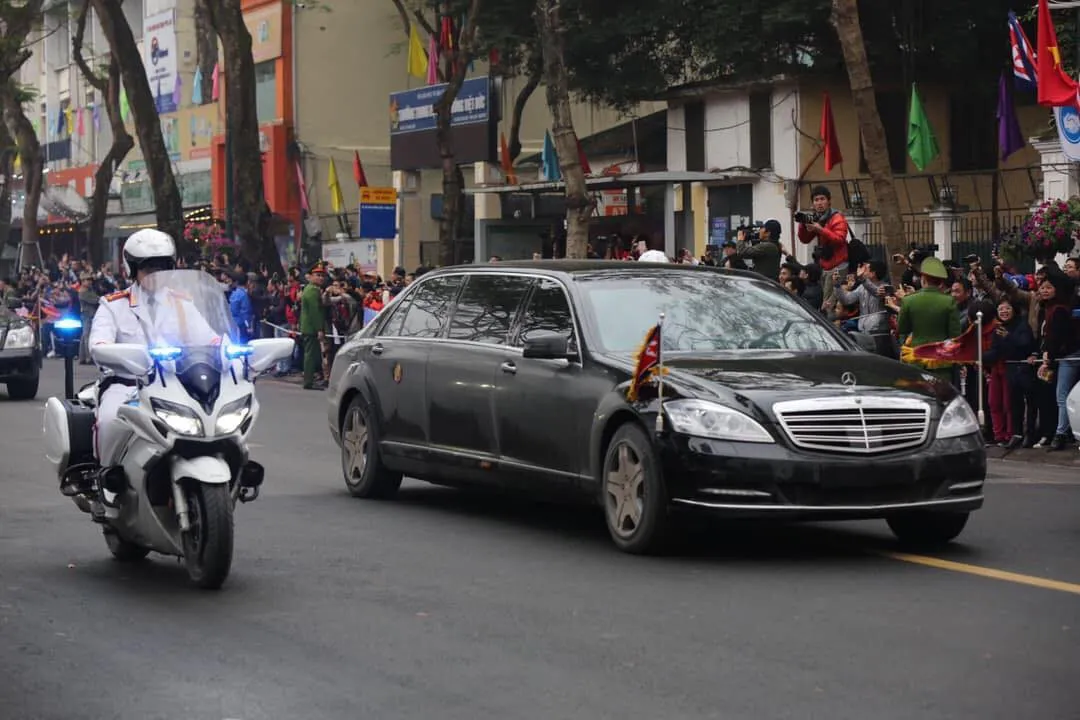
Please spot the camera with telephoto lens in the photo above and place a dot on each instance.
(805, 218)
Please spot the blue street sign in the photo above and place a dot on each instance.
(414, 110)
(378, 213)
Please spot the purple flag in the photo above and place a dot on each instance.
(1010, 139)
(176, 98)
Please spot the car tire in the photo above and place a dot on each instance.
(634, 495)
(927, 529)
(26, 389)
(365, 475)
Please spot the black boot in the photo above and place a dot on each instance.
(1058, 443)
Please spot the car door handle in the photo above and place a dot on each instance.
(377, 349)
(509, 367)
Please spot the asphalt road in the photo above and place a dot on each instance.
(446, 604)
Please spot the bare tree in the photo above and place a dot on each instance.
(16, 23)
(579, 204)
(250, 213)
(845, 17)
(168, 206)
(108, 88)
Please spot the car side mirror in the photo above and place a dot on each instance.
(546, 345)
(265, 353)
(126, 358)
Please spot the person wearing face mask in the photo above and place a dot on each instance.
(1010, 379)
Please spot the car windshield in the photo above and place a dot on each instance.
(186, 309)
(703, 312)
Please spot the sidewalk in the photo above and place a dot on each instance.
(1069, 457)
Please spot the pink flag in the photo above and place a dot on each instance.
(302, 187)
(432, 61)
(79, 126)
(215, 89)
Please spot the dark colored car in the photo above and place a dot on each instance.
(20, 356)
(516, 375)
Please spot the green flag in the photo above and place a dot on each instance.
(921, 144)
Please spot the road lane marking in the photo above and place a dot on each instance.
(1003, 575)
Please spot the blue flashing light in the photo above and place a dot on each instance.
(235, 352)
(166, 354)
(67, 325)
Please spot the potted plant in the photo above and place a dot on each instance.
(1051, 229)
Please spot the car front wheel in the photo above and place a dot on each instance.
(927, 529)
(634, 495)
(26, 389)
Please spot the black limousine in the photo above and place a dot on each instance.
(516, 375)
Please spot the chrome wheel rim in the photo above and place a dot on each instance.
(625, 491)
(354, 447)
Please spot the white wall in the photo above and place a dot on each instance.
(676, 139)
(727, 131)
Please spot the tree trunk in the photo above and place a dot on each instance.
(33, 167)
(206, 48)
(536, 68)
(168, 207)
(7, 162)
(457, 61)
(845, 17)
(250, 213)
(122, 143)
(579, 204)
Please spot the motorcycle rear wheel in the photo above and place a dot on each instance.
(208, 545)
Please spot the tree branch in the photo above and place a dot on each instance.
(96, 81)
(404, 16)
(536, 69)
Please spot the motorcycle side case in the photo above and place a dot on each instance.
(69, 434)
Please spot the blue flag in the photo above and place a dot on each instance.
(550, 158)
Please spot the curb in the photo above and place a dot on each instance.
(1068, 458)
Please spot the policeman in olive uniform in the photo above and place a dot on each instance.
(930, 315)
(313, 323)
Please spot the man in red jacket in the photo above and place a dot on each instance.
(830, 230)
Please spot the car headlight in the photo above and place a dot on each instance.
(19, 339)
(957, 420)
(233, 415)
(179, 419)
(702, 418)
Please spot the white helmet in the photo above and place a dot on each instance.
(147, 245)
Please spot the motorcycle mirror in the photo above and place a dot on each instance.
(265, 353)
(126, 358)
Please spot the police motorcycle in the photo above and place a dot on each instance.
(173, 482)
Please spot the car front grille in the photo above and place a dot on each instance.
(863, 425)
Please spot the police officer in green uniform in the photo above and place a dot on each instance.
(313, 323)
(930, 315)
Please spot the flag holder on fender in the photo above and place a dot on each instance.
(660, 378)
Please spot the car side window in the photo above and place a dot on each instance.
(429, 307)
(392, 326)
(549, 310)
(486, 308)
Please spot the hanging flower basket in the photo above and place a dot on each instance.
(1051, 229)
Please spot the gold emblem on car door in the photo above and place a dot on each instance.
(397, 372)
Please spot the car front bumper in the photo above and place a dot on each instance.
(759, 480)
(19, 364)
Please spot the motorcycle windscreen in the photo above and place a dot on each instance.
(186, 309)
(199, 372)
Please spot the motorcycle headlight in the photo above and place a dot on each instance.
(233, 416)
(19, 338)
(702, 418)
(957, 420)
(179, 419)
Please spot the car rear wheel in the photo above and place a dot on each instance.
(927, 529)
(365, 475)
(25, 389)
(634, 495)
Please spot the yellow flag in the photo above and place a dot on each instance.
(67, 120)
(336, 199)
(417, 56)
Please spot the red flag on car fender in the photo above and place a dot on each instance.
(647, 362)
(963, 349)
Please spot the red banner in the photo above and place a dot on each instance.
(963, 349)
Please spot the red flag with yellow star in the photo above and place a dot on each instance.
(1056, 88)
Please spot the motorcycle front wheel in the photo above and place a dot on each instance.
(208, 545)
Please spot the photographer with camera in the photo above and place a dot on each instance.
(765, 253)
(829, 227)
